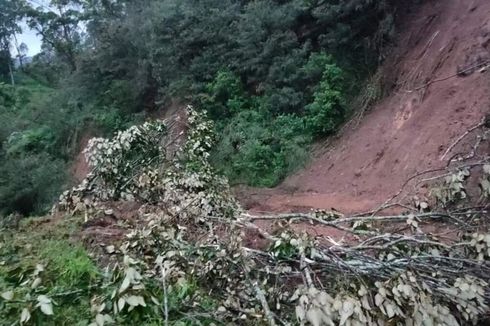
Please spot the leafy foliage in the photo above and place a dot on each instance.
(57, 24)
(265, 146)
(183, 260)
(133, 165)
(453, 188)
(32, 162)
(49, 280)
(261, 151)
(327, 111)
(30, 183)
(259, 66)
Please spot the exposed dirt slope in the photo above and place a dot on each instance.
(428, 106)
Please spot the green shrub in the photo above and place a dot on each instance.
(34, 134)
(283, 100)
(224, 96)
(8, 96)
(36, 140)
(295, 140)
(255, 150)
(327, 111)
(258, 145)
(123, 95)
(30, 183)
(110, 119)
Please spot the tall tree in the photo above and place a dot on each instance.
(10, 11)
(59, 25)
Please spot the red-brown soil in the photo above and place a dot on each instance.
(80, 168)
(427, 107)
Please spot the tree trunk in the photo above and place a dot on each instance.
(12, 79)
(21, 63)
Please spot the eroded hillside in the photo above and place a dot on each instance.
(437, 87)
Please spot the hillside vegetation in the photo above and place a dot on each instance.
(274, 76)
(169, 105)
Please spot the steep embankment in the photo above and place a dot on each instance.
(437, 88)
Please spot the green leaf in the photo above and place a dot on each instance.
(155, 300)
(45, 304)
(8, 295)
(36, 283)
(108, 319)
(135, 301)
(47, 308)
(100, 320)
(142, 301)
(25, 316)
(125, 284)
(120, 303)
(390, 311)
(43, 299)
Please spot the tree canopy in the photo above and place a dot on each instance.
(273, 75)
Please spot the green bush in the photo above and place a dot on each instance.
(327, 111)
(36, 140)
(295, 140)
(30, 183)
(8, 96)
(255, 150)
(34, 133)
(258, 145)
(224, 96)
(110, 119)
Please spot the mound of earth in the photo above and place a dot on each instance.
(438, 88)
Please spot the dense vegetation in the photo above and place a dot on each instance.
(273, 75)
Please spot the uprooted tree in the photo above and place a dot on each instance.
(186, 256)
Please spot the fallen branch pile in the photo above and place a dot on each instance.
(423, 267)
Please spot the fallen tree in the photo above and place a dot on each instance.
(185, 258)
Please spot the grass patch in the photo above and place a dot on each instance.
(75, 284)
(68, 273)
(70, 263)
